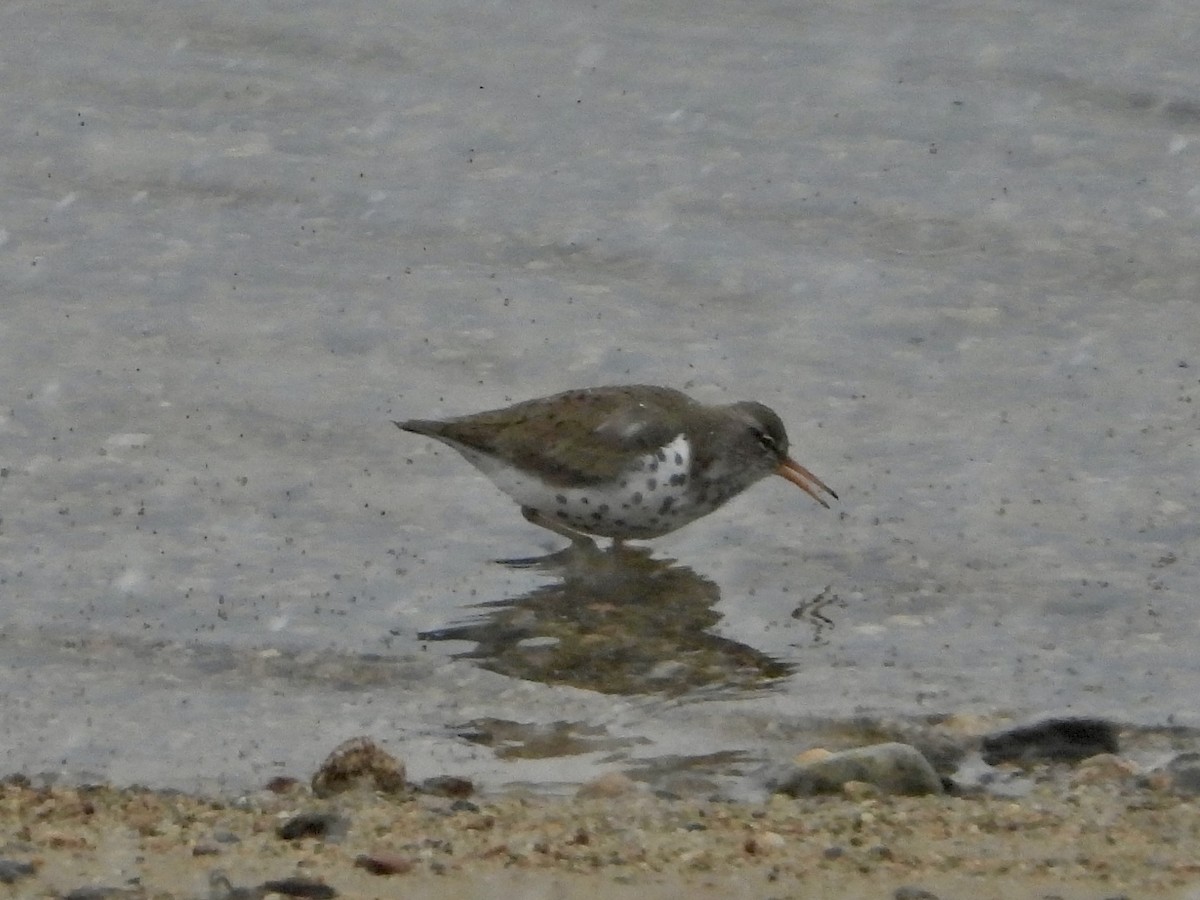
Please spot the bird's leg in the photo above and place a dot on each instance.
(534, 517)
(579, 543)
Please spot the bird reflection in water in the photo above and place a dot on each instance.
(617, 621)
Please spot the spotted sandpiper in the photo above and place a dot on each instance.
(625, 462)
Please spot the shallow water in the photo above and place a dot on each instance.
(954, 247)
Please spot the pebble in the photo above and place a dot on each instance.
(1182, 775)
(607, 786)
(282, 784)
(12, 871)
(772, 840)
(384, 863)
(448, 786)
(221, 888)
(359, 763)
(312, 824)
(1103, 767)
(300, 887)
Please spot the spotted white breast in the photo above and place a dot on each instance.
(648, 499)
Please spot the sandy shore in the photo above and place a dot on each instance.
(1118, 838)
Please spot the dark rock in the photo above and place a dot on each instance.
(221, 888)
(12, 871)
(300, 887)
(1183, 773)
(1052, 740)
(282, 784)
(312, 824)
(448, 786)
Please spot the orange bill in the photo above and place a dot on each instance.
(805, 480)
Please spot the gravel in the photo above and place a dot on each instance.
(1069, 838)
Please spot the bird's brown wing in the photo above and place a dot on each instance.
(571, 439)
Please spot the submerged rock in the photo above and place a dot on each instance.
(891, 768)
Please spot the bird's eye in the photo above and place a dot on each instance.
(763, 438)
